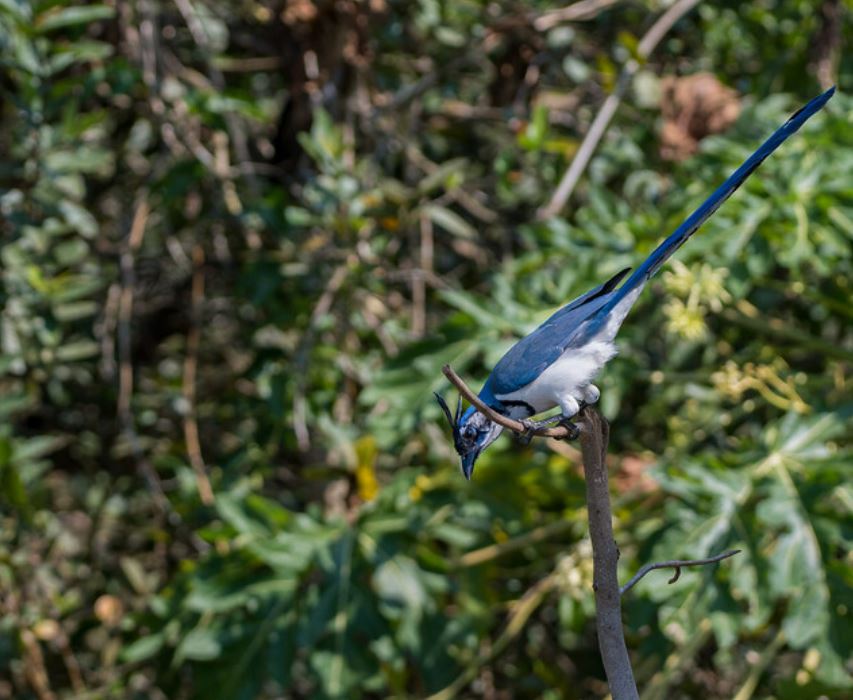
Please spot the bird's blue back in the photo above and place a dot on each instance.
(582, 319)
(530, 356)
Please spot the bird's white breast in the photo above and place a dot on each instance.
(569, 374)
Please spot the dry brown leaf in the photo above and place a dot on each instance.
(693, 107)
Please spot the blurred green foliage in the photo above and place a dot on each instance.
(240, 240)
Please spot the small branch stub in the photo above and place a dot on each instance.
(676, 564)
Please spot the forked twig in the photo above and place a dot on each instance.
(676, 564)
(560, 432)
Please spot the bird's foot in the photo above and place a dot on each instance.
(591, 394)
(525, 437)
(533, 427)
(572, 430)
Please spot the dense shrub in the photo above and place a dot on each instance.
(240, 240)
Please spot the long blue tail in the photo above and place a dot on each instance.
(710, 205)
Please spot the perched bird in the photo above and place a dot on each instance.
(556, 363)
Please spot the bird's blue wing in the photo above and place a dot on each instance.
(529, 357)
(598, 291)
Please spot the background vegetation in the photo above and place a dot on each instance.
(239, 240)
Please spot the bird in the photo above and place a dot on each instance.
(556, 363)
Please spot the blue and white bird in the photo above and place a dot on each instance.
(556, 363)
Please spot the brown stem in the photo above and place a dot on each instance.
(595, 433)
(35, 669)
(558, 432)
(323, 306)
(577, 11)
(124, 324)
(191, 436)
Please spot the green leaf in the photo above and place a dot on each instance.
(233, 511)
(534, 135)
(448, 220)
(201, 644)
(71, 16)
(76, 311)
(399, 581)
(11, 485)
(79, 218)
(142, 649)
(807, 616)
(77, 350)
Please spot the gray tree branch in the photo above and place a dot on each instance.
(595, 433)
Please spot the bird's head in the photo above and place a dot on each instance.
(472, 433)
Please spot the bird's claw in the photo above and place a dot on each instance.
(573, 432)
(530, 427)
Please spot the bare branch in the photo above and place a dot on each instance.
(559, 432)
(676, 564)
(493, 551)
(599, 125)
(191, 435)
(35, 669)
(127, 266)
(576, 12)
(321, 308)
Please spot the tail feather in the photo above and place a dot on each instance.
(662, 253)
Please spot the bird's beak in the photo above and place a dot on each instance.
(468, 460)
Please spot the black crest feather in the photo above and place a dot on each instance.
(453, 419)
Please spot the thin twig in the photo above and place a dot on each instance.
(106, 329)
(458, 194)
(322, 307)
(414, 90)
(419, 277)
(747, 690)
(676, 664)
(493, 551)
(124, 410)
(191, 438)
(676, 564)
(599, 125)
(560, 432)
(72, 665)
(236, 131)
(128, 275)
(35, 669)
(577, 11)
(595, 433)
